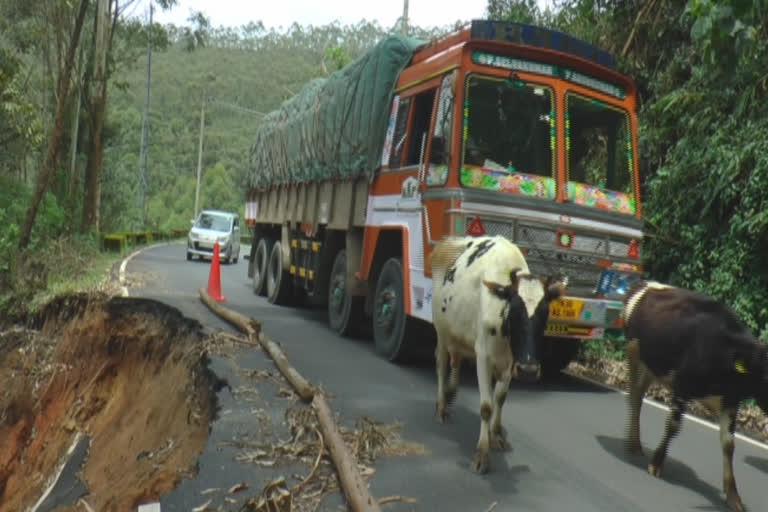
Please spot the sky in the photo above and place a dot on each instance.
(282, 13)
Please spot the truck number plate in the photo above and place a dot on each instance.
(565, 309)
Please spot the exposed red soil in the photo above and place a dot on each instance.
(129, 373)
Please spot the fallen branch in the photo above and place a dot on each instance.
(301, 484)
(354, 487)
(299, 383)
(391, 499)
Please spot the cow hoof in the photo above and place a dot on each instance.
(735, 503)
(499, 440)
(443, 416)
(654, 470)
(500, 443)
(634, 448)
(481, 462)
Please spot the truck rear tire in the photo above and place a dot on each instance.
(345, 312)
(557, 354)
(391, 325)
(260, 260)
(279, 287)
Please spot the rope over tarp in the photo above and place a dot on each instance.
(334, 128)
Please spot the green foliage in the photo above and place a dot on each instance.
(337, 57)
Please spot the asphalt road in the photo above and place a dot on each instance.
(566, 437)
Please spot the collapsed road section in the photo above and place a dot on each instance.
(107, 398)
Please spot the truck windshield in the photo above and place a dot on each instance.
(508, 137)
(600, 163)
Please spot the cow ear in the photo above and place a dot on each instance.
(499, 290)
(555, 290)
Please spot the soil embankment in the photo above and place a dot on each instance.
(124, 378)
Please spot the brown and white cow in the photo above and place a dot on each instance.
(697, 348)
(486, 305)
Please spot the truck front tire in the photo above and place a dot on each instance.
(391, 325)
(557, 354)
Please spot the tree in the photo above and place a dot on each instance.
(62, 97)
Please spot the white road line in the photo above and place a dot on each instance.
(663, 407)
(124, 264)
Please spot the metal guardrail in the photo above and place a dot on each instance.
(125, 239)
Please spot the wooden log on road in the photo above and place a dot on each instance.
(299, 383)
(352, 483)
(355, 488)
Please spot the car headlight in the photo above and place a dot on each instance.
(224, 240)
(192, 235)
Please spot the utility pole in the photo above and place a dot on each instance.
(405, 17)
(145, 127)
(200, 156)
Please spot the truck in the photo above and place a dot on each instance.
(498, 128)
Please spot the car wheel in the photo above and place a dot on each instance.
(391, 325)
(260, 260)
(344, 311)
(279, 286)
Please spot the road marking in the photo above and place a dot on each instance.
(653, 403)
(121, 274)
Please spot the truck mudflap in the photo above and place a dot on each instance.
(583, 318)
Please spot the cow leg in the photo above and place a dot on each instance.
(453, 381)
(498, 434)
(639, 381)
(727, 427)
(441, 361)
(672, 429)
(482, 458)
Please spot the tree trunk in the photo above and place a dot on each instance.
(54, 146)
(94, 165)
(91, 203)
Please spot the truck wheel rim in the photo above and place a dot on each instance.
(337, 297)
(386, 306)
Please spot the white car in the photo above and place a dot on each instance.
(214, 226)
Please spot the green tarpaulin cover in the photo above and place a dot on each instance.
(334, 127)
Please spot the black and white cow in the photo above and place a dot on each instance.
(697, 348)
(486, 305)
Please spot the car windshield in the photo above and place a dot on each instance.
(213, 221)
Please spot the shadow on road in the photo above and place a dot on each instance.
(674, 472)
(757, 463)
(462, 431)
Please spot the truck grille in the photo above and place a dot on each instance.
(579, 263)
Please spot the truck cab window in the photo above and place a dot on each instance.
(398, 140)
(599, 163)
(508, 140)
(440, 149)
(422, 114)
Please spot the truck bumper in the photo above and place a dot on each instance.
(583, 318)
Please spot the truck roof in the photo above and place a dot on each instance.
(531, 41)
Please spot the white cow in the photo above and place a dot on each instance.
(486, 305)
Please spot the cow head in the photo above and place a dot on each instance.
(528, 299)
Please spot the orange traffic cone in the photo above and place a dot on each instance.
(214, 278)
